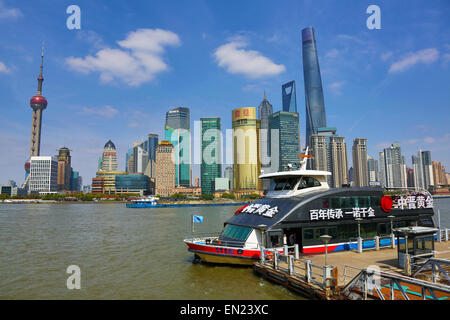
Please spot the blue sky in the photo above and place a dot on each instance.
(131, 61)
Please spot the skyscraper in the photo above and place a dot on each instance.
(373, 174)
(288, 147)
(423, 169)
(439, 173)
(338, 161)
(246, 159)
(315, 106)
(178, 132)
(109, 157)
(393, 167)
(229, 174)
(64, 169)
(165, 169)
(289, 97)
(43, 174)
(359, 156)
(265, 109)
(211, 167)
(427, 168)
(319, 151)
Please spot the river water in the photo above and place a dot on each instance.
(122, 254)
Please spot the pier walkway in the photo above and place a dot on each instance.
(373, 274)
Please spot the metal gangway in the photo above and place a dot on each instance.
(373, 284)
(436, 269)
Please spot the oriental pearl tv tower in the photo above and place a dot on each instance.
(38, 103)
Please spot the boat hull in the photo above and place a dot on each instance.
(222, 254)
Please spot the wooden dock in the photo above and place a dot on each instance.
(308, 277)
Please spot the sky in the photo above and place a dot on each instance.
(131, 61)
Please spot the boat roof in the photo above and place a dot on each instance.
(294, 209)
(295, 173)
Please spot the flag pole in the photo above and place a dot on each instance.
(192, 223)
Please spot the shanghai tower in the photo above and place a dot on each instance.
(315, 106)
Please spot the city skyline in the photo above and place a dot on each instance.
(370, 99)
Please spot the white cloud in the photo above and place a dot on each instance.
(105, 111)
(6, 13)
(250, 63)
(333, 53)
(386, 55)
(336, 87)
(3, 68)
(429, 55)
(139, 60)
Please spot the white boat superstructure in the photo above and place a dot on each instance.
(286, 184)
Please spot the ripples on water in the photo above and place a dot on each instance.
(122, 253)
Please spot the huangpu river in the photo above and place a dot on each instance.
(122, 253)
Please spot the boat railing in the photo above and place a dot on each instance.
(214, 239)
(406, 190)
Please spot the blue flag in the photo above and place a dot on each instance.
(198, 219)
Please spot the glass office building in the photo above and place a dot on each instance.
(315, 106)
(211, 143)
(178, 132)
(289, 97)
(132, 183)
(288, 148)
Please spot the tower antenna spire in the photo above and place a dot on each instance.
(41, 78)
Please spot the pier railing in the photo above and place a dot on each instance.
(322, 276)
(443, 234)
(375, 284)
(373, 243)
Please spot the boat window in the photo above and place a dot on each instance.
(355, 202)
(279, 184)
(236, 232)
(347, 231)
(374, 201)
(308, 182)
(362, 202)
(383, 229)
(368, 230)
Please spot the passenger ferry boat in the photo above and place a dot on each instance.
(144, 202)
(300, 207)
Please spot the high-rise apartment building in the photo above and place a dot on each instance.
(359, 156)
(423, 169)
(393, 167)
(43, 174)
(289, 97)
(288, 148)
(338, 161)
(246, 159)
(178, 132)
(427, 168)
(439, 177)
(165, 169)
(315, 105)
(373, 173)
(109, 157)
(319, 151)
(211, 167)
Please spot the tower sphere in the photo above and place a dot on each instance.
(38, 102)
